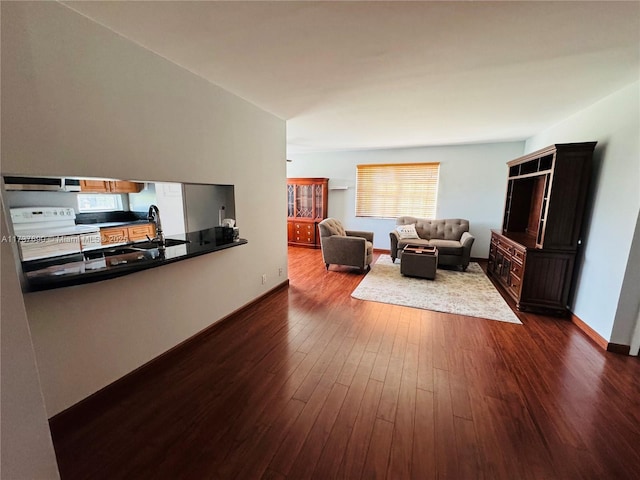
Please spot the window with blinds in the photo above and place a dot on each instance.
(394, 190)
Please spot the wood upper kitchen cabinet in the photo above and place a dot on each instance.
(122, 186)
(127, 233)
(306, 207)
(94, 186)
(110, 186)
(533, 256)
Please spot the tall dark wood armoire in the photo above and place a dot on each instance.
(533, 256)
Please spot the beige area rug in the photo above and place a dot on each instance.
(468, 293)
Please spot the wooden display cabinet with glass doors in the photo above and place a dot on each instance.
(306, 207)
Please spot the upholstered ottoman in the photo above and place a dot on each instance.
(419, 261)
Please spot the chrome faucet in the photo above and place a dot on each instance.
(154, 216)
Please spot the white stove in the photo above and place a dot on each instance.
(44, 232)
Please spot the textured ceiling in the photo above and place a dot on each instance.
(355, 75)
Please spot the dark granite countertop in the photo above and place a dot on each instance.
(116, 261)
(111, 218)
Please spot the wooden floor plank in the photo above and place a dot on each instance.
(440, 351)
(357, 351)
(293, 442)
(375, 465)
(358, 446)
(305, 462)
(310, 382)
(404, 425)
(389, 397)
(446, 463)
(423, 464)
(334, 449)
(255, 464)
(425, 354)
(467, 449)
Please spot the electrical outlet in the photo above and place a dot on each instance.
(280, 272)
(264, 278)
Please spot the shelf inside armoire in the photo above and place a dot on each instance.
(526, 205)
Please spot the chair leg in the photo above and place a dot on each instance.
(327, 265)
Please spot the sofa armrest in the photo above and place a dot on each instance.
(467, 240)
(355, 233)
(394, 237)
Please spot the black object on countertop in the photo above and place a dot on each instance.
(111, 217)
(116, 261)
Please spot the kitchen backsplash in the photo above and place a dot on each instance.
(103, 217)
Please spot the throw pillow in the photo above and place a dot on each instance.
(407, 231)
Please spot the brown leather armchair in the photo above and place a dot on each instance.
(345, 247)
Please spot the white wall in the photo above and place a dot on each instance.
(26, 446)
(602, 300)
(635, 339)
(626, 323)
(630, 299)
(169, 200)
(473, 182)
(79, 100)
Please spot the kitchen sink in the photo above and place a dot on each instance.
(169, 242)
(120, 251)
(133, 251)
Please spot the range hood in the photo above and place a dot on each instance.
(42, 184)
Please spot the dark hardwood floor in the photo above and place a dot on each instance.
(310, 383)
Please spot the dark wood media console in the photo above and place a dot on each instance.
(533, 256)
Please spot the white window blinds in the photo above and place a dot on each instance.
(394, 190)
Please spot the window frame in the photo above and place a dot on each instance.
(119, 204)
(378, 184)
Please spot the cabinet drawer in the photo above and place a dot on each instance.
(504, 250)
(303, 234)
(506, 245)
(304, 239)
(304, 227)
(114, 235)
(516, 269)
(140, 232)
(518, 255)
(514, 285)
